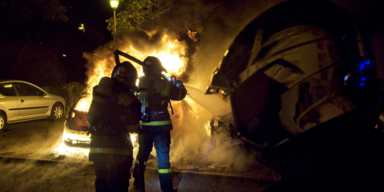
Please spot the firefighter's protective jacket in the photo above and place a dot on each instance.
(118, 116)
(155, 93)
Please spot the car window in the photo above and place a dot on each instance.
(27, 90)
(6, 89)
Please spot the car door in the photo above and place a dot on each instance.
(9, 101)
(31, 101)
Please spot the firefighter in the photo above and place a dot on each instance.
(303, 88)
(114, 112)
(155, 93)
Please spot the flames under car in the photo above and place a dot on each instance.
(75, 127)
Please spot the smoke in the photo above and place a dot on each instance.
(217, 23)
(194, 145)
(31, 175)
(204, 29)
(27, 157)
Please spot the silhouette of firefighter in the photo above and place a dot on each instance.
(114, 112)
(155, 92)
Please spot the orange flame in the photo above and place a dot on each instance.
(170, 55)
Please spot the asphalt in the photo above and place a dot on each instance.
(186, 178)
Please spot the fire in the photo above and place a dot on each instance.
(170, 53)
(75, 152)
(208, 128)
(170, 56)
(84, 104)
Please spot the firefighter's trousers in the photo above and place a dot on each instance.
(161, 139)
(113, 175)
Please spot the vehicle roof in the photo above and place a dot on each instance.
(20, 81)
(14, 80)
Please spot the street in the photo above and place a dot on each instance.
(27, 175)
(28, 163)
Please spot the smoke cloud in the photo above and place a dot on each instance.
(215, 24)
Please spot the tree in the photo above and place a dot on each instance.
(138, 11)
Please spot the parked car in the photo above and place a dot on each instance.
(23, 101)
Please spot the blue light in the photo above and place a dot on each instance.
(364, 64)
(363, 79)
(346, 79)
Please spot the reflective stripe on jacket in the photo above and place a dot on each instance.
(157, 123)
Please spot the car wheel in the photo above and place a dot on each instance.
(3, 120)
(57, 111)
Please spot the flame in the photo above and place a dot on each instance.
(208, 128)
(170, 53)
(193, 35)
(74, 152)
(83, 104)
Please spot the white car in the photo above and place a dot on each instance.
(24, 101)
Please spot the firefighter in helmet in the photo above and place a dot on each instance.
(302, 82)
(114, 112)
(155, 93)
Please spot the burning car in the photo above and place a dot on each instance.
(76, 124)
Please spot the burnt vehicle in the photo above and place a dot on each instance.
(302, 83)
(76, 124)
(284, 79)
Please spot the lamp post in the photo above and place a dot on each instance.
(114, 4)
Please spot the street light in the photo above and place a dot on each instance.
(114, 4)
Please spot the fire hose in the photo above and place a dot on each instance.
(130, 57)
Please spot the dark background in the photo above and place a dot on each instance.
(35, 52)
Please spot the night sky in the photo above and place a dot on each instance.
(94, 13)
(218, 19)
